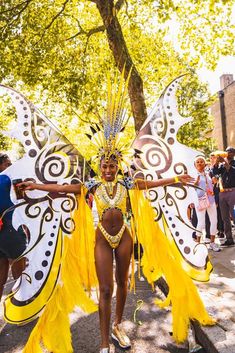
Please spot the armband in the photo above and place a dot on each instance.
(90, 184)
(129, 182)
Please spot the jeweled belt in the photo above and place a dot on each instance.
(113, 240)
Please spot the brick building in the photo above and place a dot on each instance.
(223, 111)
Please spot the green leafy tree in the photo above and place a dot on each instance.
(58, 52)
(7, 119)
(194, 101)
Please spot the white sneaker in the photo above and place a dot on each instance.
(222, 240)
(214, 247)
(104, 350)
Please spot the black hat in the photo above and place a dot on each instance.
(230, 149)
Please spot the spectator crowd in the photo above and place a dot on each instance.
(214, 214)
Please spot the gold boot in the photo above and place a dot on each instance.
(119, 335)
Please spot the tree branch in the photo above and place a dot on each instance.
(98, 29)
(119, 4)
(27, 2)
(95, 30)
(53, 20)
(56, 16)
(15, 17)
(87, 33)
(15, 7)
(122, 58)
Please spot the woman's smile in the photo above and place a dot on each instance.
(108, 169)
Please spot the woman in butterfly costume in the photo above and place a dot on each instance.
(113, 238)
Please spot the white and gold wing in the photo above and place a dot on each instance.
(55, 245)
(163, 156)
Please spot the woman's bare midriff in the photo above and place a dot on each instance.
(112, 221)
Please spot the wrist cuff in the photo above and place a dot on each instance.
(176, 179)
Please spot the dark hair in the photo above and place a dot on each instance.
(3, 156)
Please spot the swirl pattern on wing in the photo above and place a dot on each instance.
(163, 156)
(156, 154)
(49, 158)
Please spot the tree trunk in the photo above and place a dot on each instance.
(121, 55)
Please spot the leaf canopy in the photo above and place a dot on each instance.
(58, 54)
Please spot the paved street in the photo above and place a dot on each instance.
(153, 336)
(219, 298)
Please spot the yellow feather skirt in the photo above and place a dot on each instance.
(77, 277)
(159, 259)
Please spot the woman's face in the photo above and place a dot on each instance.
(200, 164)
(108, 169)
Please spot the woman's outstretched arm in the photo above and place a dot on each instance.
(71, 188)
(149, 184)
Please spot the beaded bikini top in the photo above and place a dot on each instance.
(104, 202)
(103, 199)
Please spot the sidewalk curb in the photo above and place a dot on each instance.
(203, 338)
(201, 335)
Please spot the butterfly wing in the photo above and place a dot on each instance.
(49, 158)
(163, 156)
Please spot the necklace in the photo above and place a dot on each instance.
(104, 196)
(104, 201)
(109, 185)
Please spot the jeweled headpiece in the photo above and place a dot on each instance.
(107, 136)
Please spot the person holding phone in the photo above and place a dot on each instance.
(12, 242)
(224, 167)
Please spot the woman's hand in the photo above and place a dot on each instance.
(148, 184)
(185, 178)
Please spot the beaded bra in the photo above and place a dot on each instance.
(105, 202)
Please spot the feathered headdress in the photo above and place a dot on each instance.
(107, 136)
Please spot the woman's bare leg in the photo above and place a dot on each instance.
(123, 257)
(104, 269)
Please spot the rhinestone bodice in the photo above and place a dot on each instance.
(105, 202)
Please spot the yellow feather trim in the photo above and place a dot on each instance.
(77, 277)
(159, 259)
